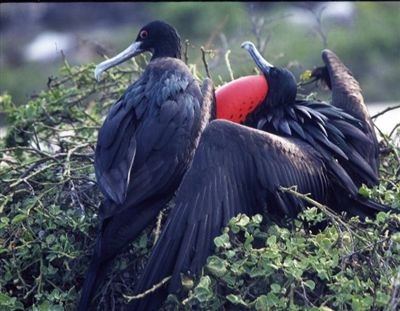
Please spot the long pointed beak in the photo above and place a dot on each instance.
(133, 50)
(257, 57)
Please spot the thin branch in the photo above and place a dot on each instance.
(149, 291)
(228, 65)
(384, 111)
(158, 226)
(203, 57)
(185, 51)
(394, 129)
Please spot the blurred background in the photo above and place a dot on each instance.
(365, 35)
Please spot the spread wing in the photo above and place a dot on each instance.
(346, 94)
(236, 169)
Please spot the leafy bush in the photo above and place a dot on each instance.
(49, 201)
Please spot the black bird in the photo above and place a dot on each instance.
(341, 130)
(346, 94)
(239, 169)
(145, 145)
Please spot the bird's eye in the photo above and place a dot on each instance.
(143, 34)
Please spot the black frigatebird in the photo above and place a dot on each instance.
(145, 144)
(346, 94)
(341, 130)
(239, 169)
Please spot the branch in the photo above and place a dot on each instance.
(384, 111)
(145, 293)
(228, 65)
(203, 57)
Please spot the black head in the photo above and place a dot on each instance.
(161, 39)
(158, 38)
(282, 86)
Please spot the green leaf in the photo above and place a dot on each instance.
(306, 75)
(236, 300)
(310, 284)
(216, 266)
(275, 288)
(271, 241)
(261, 303)
(364, 191)
(18, 218)
(222, 241)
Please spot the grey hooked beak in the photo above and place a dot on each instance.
(133, 50)
(257, 57)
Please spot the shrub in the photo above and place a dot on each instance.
(49, 201)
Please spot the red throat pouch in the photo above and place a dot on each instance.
(236, 99)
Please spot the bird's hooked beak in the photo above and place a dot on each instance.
(133, 50)
(257, 57)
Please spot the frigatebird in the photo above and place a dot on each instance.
(346, 94)
(239, 168)
(145, 144)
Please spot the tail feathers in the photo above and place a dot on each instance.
(363, 207)
(116, 232)
(94, 278)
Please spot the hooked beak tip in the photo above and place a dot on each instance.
(97, 73)
(246, 45)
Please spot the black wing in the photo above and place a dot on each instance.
(145, 146)
(346, 94)
(115, 152)
(147, 135)
(236, 169)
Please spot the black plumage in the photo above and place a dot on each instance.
(346, 94)
(238, 169)
(145, 145)
(341, 130)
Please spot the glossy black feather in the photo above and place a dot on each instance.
(226, 179)
(346, 94)
(144, 147)
(312, 145)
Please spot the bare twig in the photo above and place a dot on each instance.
(203, 56)
(319, 29)
(384, 111)
(228, 65)
(394, 129)
(185, 51)
(158, 226)
(151, 290)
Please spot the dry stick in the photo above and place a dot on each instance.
(31, 175)
(394, 129)
(145, 293)
(384, 111)
(228, 64)
(185, 52)
(386, 141)
(158, 226)
(325, 209)
(203, 56)
(69, 154)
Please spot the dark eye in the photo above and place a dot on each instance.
(143, 34)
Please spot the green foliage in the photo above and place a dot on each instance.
(49, 200)
(49, 197)
(263, 266)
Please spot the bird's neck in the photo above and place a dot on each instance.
(168, 49)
